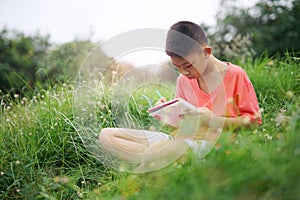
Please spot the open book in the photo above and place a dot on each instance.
(170, 111)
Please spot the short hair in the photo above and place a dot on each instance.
(185, 37)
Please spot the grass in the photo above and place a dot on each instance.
(47, 153)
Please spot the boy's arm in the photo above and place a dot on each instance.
(231, 122)
(210, 119)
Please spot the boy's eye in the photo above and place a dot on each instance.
(187, 66)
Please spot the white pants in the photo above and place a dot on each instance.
(198, 146)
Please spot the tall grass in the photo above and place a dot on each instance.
(44, 156)
(41, 152)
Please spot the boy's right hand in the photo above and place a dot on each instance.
(160, 101)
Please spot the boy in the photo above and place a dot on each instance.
(222, 92)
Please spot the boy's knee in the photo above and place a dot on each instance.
(107, 129)
(104, 134)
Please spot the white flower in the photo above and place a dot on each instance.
(281, 119)
(152, 128)
(290, 94)
(268, 137)
(261, 110)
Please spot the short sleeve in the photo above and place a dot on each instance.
(248, 104)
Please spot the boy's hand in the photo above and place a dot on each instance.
(203, 113)
(160, 101)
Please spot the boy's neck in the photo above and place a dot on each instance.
(218, 65)
(213, 75)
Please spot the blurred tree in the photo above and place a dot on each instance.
(65, 61)
(273, 26)
(19, 57)
(26, 61)
(62, 63)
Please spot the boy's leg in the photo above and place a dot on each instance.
(131, 140)
(132, 145)
(161, 154)
(126, 144)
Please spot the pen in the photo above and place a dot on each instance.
(158, 93)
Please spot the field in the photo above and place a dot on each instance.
(44, 151)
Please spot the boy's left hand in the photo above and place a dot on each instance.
(204, 114)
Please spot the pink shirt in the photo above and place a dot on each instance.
(235, 97)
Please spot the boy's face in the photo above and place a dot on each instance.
(192, 66)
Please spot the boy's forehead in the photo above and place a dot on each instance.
(179, 61)
(182, 61)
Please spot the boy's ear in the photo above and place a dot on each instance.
(207, 50)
